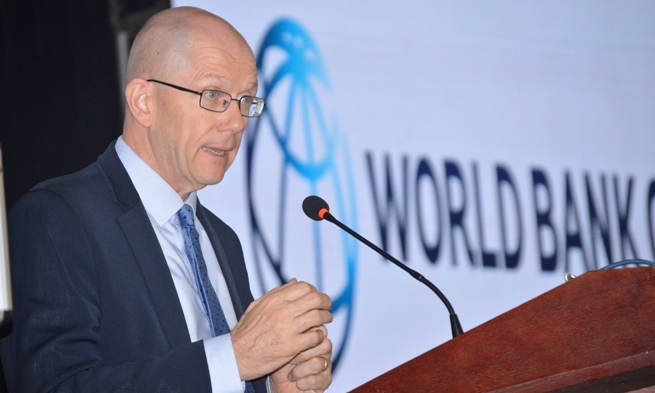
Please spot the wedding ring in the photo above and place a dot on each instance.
(326, 365)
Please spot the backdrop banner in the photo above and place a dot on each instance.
(492, 146)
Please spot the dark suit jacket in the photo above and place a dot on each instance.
(95, 307)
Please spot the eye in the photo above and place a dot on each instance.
(211, 95)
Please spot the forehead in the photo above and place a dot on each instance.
(224, 59)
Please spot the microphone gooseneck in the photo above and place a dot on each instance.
(317, 209)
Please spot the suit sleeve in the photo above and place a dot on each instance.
(55, 345)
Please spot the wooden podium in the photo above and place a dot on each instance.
(595, 333)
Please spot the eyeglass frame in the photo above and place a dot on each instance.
(200, 94)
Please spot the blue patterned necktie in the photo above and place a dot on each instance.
(213, 311)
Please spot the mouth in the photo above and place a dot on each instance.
(216, 152)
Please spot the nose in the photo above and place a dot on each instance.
(232, 119)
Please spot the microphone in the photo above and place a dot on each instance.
(317, 209)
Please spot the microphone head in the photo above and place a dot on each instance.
(315, 207)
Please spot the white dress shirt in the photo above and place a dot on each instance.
(161, 202)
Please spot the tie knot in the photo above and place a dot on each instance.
(185, 215)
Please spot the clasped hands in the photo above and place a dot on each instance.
(283, 334)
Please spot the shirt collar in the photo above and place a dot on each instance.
(159, 199)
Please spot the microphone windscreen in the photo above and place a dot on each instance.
(312, 205)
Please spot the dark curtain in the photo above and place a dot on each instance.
(61, 101)
(59, 90)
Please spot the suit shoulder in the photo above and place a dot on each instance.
(79, 191)
(74, 181)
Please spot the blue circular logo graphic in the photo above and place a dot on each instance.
(293, 150)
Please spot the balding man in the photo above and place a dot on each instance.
(123, 281)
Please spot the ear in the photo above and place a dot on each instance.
(138, 97)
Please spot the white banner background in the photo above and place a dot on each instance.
(560, 86)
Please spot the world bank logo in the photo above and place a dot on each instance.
(293, 150)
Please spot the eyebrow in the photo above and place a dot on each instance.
(214, 76)
(219, 78)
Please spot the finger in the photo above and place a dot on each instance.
(323, 329)
(308, 340)
(315, 374)
(323, 349)
(291, 291)
(301, 314)
(285, 285)
(281, 296)
(310, 311)
(310, 321)
(314, 366)
(274, 290)
(318, 300)
(315, 383)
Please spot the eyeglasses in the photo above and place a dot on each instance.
(219, 101)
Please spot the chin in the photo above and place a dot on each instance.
(208, 175)
(212, 180)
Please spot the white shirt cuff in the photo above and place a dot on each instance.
(223, 368)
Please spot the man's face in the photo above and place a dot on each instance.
(194, 147)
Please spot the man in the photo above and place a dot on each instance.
(123, 281)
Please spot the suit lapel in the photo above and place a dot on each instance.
(223, 261)
(146, 249)
(226, 263)
(147, 252)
